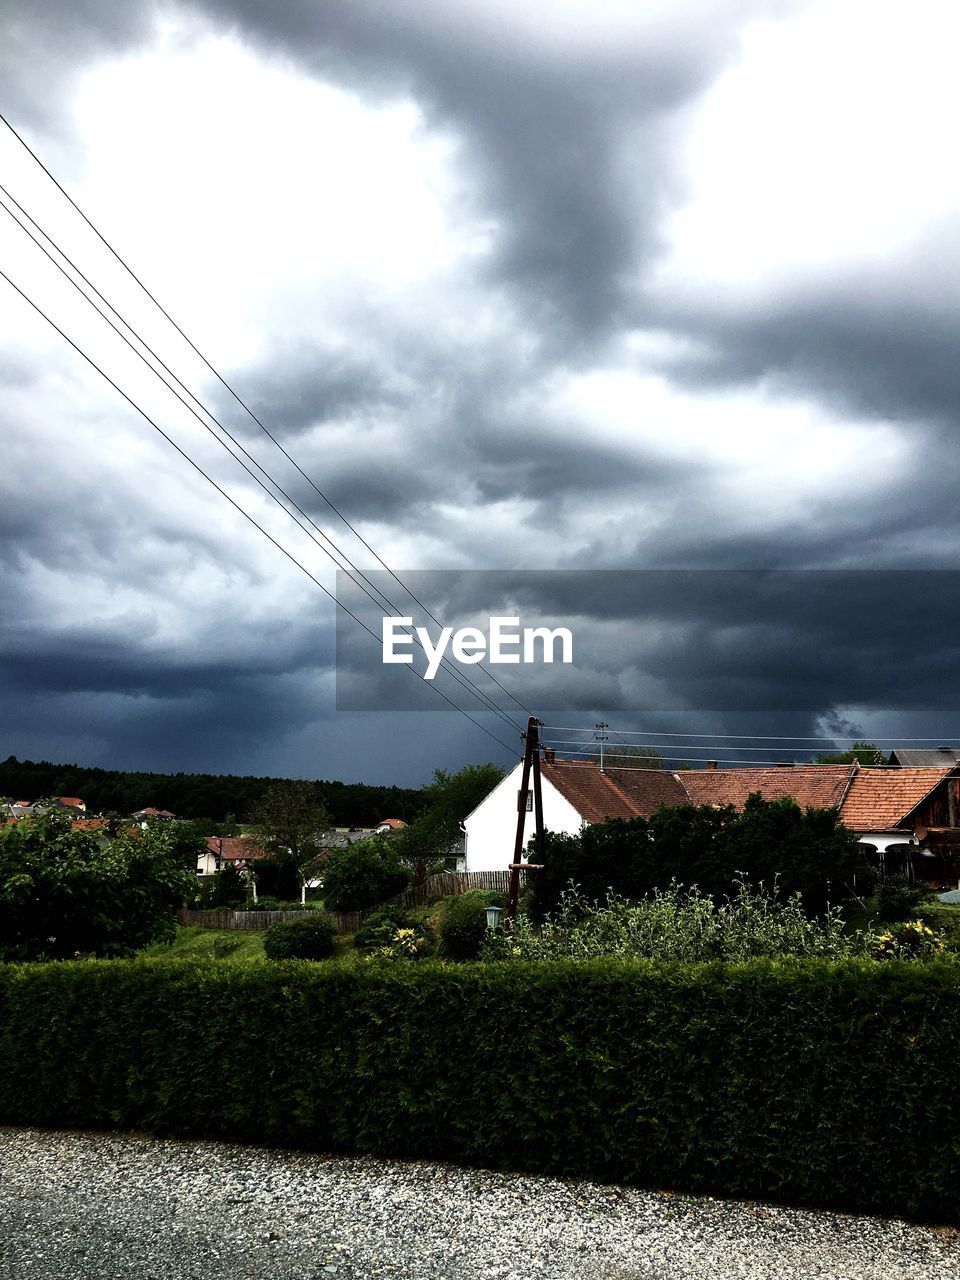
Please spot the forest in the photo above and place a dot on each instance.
(212, 797)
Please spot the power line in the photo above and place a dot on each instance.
(133, 275)
(706, 746)
(759, 737)
(445, 664)
(566, 757)
(89, 359)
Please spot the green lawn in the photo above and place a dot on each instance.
(235, 945)
(192, 942)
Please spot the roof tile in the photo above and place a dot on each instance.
(614, 793)
(816, 786)
(881, 799)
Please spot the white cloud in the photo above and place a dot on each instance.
(828, 141)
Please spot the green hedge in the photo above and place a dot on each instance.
(829, 1083)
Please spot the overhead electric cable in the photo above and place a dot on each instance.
(445, 664)
(739, 764)
(706, 746)
(89, 359)
(760, 737)
(133, 275)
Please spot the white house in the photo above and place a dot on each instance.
(575, 794)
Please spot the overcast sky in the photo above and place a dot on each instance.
(554, 285)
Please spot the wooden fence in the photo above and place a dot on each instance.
(443, 885)
(345, 921)
(447, 883)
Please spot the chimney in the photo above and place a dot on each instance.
(549, 755)
(711, 764)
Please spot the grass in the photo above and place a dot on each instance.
(192, 943)
(237, 946)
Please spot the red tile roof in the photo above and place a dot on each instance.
(615, 793)
(74, 802)
(881, 799)
(234, 848)
(817, 786)
(868, 799)
(395, 824)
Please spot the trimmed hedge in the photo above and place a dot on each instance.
(818, 1082)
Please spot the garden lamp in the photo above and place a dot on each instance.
(493, 916)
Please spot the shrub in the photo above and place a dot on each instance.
(378, 928)
(392, 931)
(413, 941)
(913, 941)
(678, 924)
(896, 898)
(306, 939)
(362, 874)
(809, 1081)
(463, 923)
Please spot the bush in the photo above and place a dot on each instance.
(378, 928)
(678, 924)
(362, 874)
(306, 939)
(913, 941)
(463, 923)
(809, 1081)
(391, 931)
(896, 898)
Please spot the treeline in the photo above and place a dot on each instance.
(212, 797)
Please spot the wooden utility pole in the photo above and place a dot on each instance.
(531, 762)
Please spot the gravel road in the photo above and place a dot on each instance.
(85, 1206)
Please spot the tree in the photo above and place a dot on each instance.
(229, 889)
(450, 797)
(773, 841)
(865, 752)
(363, 874)
(627, 755)
(66, 891)
(289, 822)
(188, 840)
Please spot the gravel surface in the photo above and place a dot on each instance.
(91, 1206)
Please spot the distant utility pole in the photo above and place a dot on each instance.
(601, 736)
(531, 764)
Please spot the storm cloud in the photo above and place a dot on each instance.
(588, 287)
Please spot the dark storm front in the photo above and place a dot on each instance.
(655, 641)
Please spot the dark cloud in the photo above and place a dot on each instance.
(43, 50)
(409, 420)
(713, 640)
(875, 342)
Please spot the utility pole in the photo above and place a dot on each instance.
(601, 736)
(531, 763)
